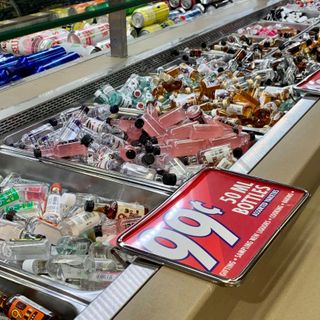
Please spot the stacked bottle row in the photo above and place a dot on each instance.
(47, 230)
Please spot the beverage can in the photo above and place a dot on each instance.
(149, 15)
(90, 35)
(150, 29)
(174, 4)
(188, 4)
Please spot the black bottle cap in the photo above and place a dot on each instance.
(53, 122)
(139, 123)
(161, 172)
(98, 230)
(89, 205)
(309, 42)
(223, 42)
(148, 159)
(156, 150)
(85, 109)
(108, 120)
(175, 52)
(237, 153)
(185, 58)
(220, 69)
(10, 215)
(144, 138)
(37, 153)
(203, 45)
(149, 147)
(131, 154)
(154, 140)
(268, 82)
(252, 136)
(169, 179)
(286, 35)
(114, 109)
(184, 160)
(86, 140)
(266, 44)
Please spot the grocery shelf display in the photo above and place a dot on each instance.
(84, 38)
(102, 152)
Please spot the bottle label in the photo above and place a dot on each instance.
(26, 206)
(53, 205)
(235, 109)
(71, 272)
(129, 210)
(94, 125)
(8, 197)
(84, 221)
(104, 276)
(217, 153)
(23, 308)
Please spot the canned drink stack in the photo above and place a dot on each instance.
(149, 15)
(90, 35)
(174, 4)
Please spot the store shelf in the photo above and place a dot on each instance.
(82, 78)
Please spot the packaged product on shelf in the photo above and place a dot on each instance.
(145, 16)
(20, 307)
(48, 230)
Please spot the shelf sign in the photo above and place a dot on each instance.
(311, 84)
(216, 226)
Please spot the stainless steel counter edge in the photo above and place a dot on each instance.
(119, 293)
(78, 305)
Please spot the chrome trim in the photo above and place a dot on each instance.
(113, 299)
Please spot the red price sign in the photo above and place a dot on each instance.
(311, 84)
(216, 225)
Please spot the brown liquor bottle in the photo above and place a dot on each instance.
(19, 307)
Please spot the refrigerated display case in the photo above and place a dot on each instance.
(147, 291)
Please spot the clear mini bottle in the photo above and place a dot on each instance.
(79, 223)
(21, 249)
(53, 208)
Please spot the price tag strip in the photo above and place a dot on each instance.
(215, 226)
(311, 84)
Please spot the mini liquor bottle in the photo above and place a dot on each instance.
(53, 207)
(21, 249)
(117, 209)
(79, 223)
(21, 308)
(73, 245)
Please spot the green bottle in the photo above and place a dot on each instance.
(8, 197)
(18, 207)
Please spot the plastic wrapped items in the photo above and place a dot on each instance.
(45, 229)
